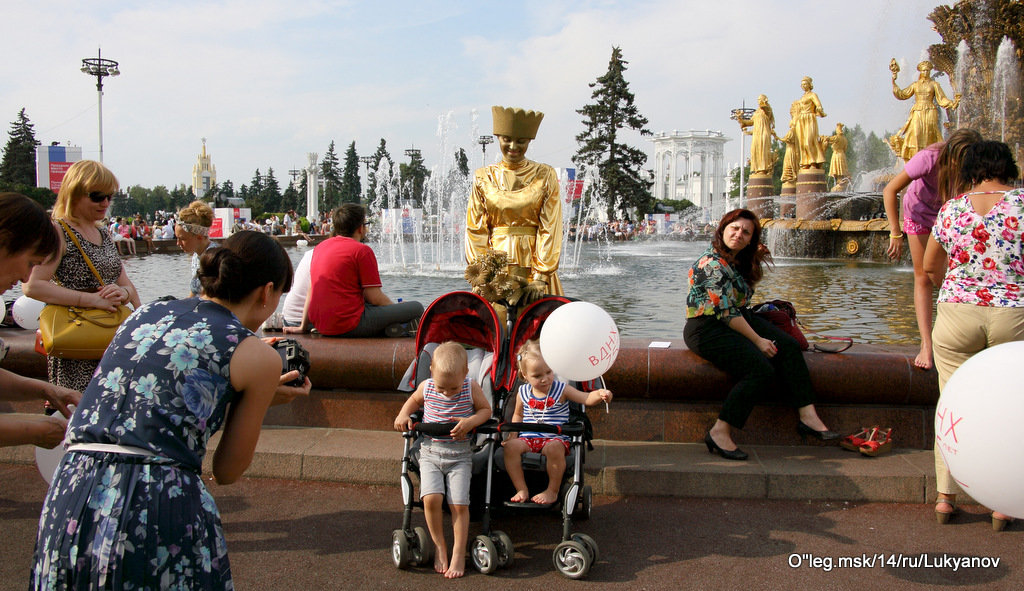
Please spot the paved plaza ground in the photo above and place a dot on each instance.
(285, 534)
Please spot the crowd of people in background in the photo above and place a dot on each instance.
(624, 230)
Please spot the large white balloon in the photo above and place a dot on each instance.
(47, 460)
(978, 424)
(579, 341)
(26, 312)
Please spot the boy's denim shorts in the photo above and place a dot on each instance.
(446, 466)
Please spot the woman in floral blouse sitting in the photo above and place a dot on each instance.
(974, 256)
(754, 352)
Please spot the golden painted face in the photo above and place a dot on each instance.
(513, 150)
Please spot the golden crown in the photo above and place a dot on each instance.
(516, 122)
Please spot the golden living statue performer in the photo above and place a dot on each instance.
(514, 207)
(762, 158)
(837, 167)
(812, 155)
(922, 127)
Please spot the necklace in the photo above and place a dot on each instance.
(984, 193)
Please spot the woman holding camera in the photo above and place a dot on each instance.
(127, 505)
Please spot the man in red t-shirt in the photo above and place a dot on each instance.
(345, 296)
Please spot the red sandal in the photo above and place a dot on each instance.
(880, 444)
(853, 442)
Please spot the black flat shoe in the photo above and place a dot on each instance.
(805, 431)
(736, 454)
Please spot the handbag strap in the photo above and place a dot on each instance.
(71, 235)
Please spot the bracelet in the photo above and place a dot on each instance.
(897, 236)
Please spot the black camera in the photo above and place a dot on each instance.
(293, 357)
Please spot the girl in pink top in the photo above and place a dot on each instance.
(931, 177)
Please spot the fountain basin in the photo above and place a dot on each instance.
(865, 240)
(667, 394)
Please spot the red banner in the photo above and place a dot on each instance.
(57, 172)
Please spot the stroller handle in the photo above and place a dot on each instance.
(570, 429)
(443, 429)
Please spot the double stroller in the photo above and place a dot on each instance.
(467, 318)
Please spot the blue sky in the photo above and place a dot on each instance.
(267, 81)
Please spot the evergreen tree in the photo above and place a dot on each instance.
(462, 162)
(331, 175)
(619, 166)
(290, 199)
(19, 162)
(371, 181)
(413, 177)
(271, 193)
(350, 185)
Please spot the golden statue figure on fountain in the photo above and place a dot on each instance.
(922, 127)
(838, 168)
(761, 128)
(812, 154)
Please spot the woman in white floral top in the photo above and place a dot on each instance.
(974, 255)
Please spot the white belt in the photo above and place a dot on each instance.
(112, 448)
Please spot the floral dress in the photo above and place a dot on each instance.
(122, 521)
(73, 273)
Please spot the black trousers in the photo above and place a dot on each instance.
(755, 374)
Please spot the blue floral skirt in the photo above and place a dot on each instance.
(116, 521)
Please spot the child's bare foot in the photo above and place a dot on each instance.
(545, 498)
(457, 568)
(441, 563)
(521, 496)
(924, 358)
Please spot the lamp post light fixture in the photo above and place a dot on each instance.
(367, 161)
(100, 68)
(744, 112)
(483, 141)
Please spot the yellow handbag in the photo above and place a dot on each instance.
(74, 332)
(71, 332)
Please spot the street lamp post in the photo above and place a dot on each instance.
(100, 68)
(483, 141)
(367, 161)
(744, 112)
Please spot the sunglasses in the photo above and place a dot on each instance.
(97, 197)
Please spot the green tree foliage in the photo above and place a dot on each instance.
(619, 166)
(413, 177)
(331, 175)
(350, 185)
(462, 162)
(271, 192)
(18, 167)
(375, 166)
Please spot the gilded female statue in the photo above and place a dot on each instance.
(838, 168)
(812, 154)
(791, 158)
(762, 158)
(922, 127)
(514, 206)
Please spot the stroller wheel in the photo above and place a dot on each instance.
(484, 554)
(503, 544)
(589, 543)
(401, 554)
(572, 560)
(586, 502)
(424, 547)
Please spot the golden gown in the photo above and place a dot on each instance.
(811, 151)
(516, 208)
(922, 128)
